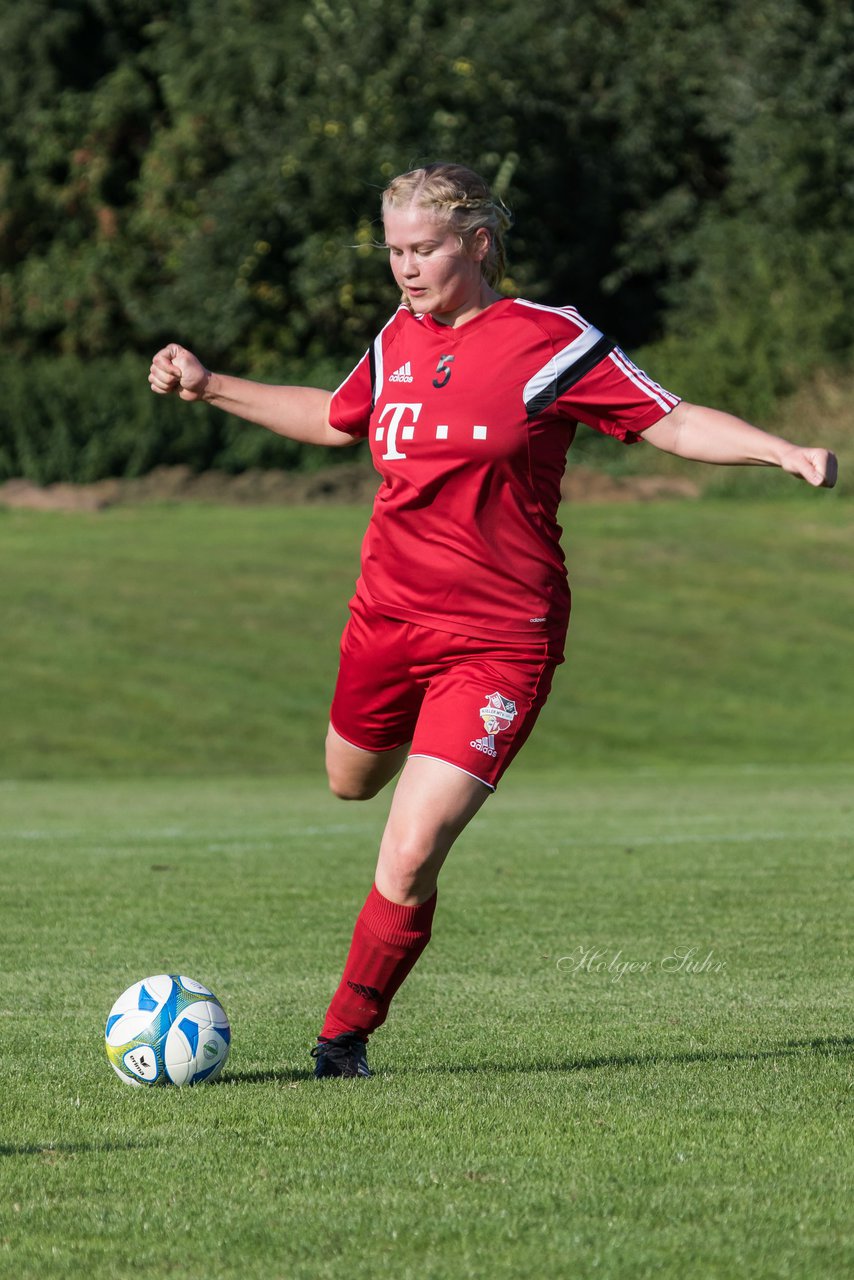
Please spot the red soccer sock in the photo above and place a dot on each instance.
(387, 941)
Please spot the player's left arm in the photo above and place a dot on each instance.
(709, 435)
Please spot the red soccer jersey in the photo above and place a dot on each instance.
(469, 428)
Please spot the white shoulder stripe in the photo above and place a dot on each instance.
(378, 365)
(379, 369)
(566, 312)
(559, 363)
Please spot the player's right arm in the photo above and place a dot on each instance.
(300, 413)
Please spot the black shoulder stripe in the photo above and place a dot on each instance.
(372, 365)
(569, 376)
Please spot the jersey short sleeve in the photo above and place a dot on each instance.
(353, 401)
(587, 377)
(617, 398)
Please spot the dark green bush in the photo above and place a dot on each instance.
(66, 419)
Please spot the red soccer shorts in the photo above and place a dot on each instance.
(469, 702)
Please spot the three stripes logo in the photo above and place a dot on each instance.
(486, 745)
(403, 374)
(367, 993)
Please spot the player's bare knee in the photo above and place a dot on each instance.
(408, 885)
(345, 787)
(405, 862)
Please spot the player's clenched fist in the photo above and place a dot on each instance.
(175, 368)
(817, 466)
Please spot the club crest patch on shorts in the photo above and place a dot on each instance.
(498, 714)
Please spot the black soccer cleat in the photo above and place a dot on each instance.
(344, 1055)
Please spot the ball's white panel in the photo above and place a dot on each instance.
(192, 985)
(137, 1084)
(127, 1001)
(160, 986)
(128, 1027)
(208, 1013)
(203, 1013)
(212, 1047)
(211, 1056)
(217, 1015)
(141, 1062)
(178, 1056)
(145, 996)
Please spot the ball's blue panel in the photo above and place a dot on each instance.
(191, 1031)
(225, 1032)
(147, 1001)
(111, 1022)
(170, 1008)
(203, 1075)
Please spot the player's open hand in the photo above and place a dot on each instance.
(817, 466)
(175, 369)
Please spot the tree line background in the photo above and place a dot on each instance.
(210, 171)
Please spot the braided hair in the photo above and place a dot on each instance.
(458, 196)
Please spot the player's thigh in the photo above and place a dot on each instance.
(375, 705)
(355, 773)
(433, 803)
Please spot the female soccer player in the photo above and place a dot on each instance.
(470, 402)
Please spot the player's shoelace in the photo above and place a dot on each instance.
(343, 1056)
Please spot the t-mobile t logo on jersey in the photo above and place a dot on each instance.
(398, 413)
(406, 430)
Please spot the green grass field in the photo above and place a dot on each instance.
(628, 1051)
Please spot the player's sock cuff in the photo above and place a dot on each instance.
(396, 924)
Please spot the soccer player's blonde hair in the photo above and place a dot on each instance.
(458, 196)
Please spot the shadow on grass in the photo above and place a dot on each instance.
(826, 1045)
(273, 1076)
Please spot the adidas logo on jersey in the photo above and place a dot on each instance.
(486, 745)
(403, 374)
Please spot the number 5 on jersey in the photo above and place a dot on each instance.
(443, 371)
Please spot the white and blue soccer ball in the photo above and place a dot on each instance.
(167, 1030)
